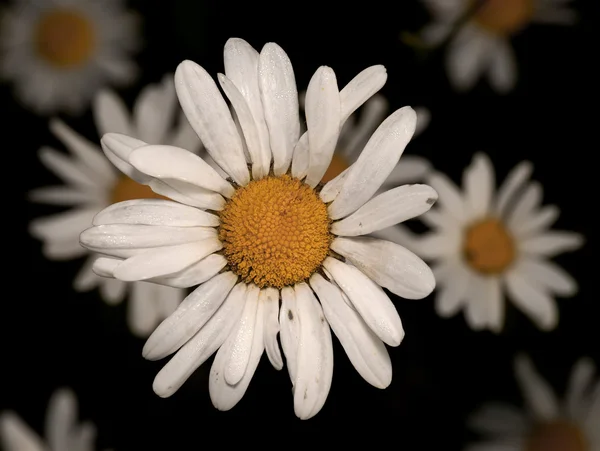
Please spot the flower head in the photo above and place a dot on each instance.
(60, 53)
(91, 183)
(62, 430)
(547, 424)
(482, 45)
(483, 241)
(269, 231)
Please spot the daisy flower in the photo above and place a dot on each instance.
(268, 232)
(91, 183)
(484, 242)
(59, 53)
(548, 424)
(63, 431)
(482, 44)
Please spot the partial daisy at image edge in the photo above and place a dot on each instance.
(269, 231)
(58, 54)
(546, 422)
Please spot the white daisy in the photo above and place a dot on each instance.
(62, 430)
(484, 242)
(548, 424)
(482, 44)
(268, 232)
(92, 183)
(59, 53)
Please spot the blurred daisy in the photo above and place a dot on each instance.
(91, 183)
(548, 424)
(269, 231)
(59, 53)
(482, 44)
(484, 242)
(63, 431)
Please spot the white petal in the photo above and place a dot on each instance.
(389, 265)
(113, 291)
(202, 345)
(578, 389)
(553, 243)
(433, 245)
(315, 355)
(67, 169)
(538, 394)
(410, 169)
(194, 274)
(333, 187)
(86, 279)
(110, 114)
(142, 309)
(369, 300)
(360, 89)
(63, 250)
(155, 212)
(86, 152)
(354, 136)
(210, 117)
(536, 222)
(477, 300)
(452, 289)
(105, 267)
(188, 194)
(63, 195)
(387, 209)
(280, 104)
(290, 329)
(169, 163)
(533, 300)
(450, 198)
(549, 275)
(60, 419)
(62, 226)
(495, 304)
(117, 149)
(300, 160)
(165, 260)
(467, 57)
(223, 395)
(366, 352)
(528, 202)
(260, 158)
(154, 111)
(269, 297)
(503, 68)
(323, 118)
(500, 420)
(241, 67)
(511, 186)
(398, 234)
(479, 184)
(15, 435)
(423, 119)
(376, 162)
(135, 236)
(242, 339)
(195, 310)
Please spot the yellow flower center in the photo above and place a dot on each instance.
(128, 189)
(488, 247)
(336, 167)
(65, 38)
(275, 231)
(504, 17)
(556, 436)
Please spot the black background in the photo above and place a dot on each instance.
(53, 337)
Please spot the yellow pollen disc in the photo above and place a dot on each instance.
(336, 167)
(556, 436)
(275, 231)
(504, 17)
(488, 247)
(65, 38)
(128, 189)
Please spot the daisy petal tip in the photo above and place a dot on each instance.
(162, 389)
